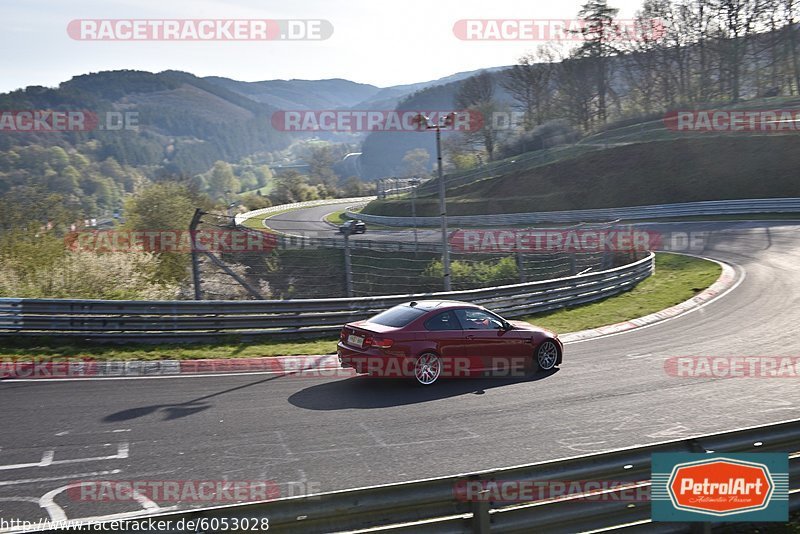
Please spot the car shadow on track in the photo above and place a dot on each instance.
(363, 392)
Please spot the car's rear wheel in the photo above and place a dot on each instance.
(546, 355)
(427, 368)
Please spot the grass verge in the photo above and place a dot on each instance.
(677, 278)
(257, 223)
(48, 349)
(337, 217)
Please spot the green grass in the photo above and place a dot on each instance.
(266, 190)
(677, 278)
(642, 173)
(336, 217)
(257, 223)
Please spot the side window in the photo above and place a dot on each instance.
(443, 321)
(478, 320)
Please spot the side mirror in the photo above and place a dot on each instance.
(507, 325)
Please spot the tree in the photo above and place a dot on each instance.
(529, 82)
(58, 158)
(352, 186)
(163, 206)
(738, 20)
(222, 180)
(575, 94)
(290, 187)
(248, 180)
(321, 160)
(476, 94)
(598, 32)
(417, 162)
(263, 175)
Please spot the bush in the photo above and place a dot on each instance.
(87, 275)
(547, 135)
(476, 274)
(256, 202)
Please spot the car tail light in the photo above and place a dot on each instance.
(379, 342)
(343, 334)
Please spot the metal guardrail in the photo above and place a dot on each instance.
(687, 209)
(146, 320)
(434, 505)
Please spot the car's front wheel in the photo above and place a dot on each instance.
(546, 355)
(427, 368)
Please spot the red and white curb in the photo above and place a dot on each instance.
(87, 368)
(726, 282)
(287, 365)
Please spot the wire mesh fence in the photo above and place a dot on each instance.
(283, 267)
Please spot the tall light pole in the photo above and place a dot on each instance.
(445, 121)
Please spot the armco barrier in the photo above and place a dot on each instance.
(147, 320)
(688, 209)
(432, 505)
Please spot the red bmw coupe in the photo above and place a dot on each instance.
(432, 339)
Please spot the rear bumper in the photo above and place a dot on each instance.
(375, 362)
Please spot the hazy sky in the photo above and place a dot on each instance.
(374, 41)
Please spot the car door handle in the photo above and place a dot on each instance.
(528, 341)
(470, 337)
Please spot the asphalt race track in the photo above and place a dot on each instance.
(327, 433)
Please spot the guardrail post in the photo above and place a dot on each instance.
(480, 510)
(198, 294)
(520, 267)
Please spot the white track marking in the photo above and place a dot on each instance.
(47, 459)
(682, 314)
(56, 513)
(50, 479)
(373, 435)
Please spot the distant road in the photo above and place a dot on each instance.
(309, 222)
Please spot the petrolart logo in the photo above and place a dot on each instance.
(720, 487)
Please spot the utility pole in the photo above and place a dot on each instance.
(424, 122)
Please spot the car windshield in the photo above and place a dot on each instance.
(397, 317)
